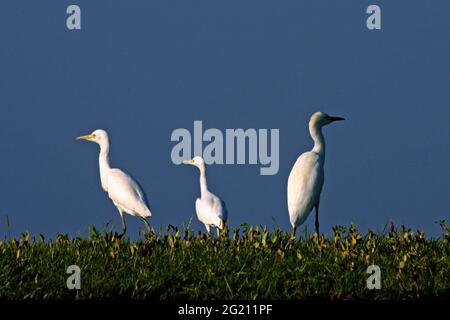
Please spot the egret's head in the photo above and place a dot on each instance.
(196, 161)
(320, 119)
(98, 136)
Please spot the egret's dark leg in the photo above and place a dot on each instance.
(124, 226)
(294, 230)
(317, 219)
(147, 224)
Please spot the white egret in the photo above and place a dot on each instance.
(210, 209)
(124, 192)
(306, 178)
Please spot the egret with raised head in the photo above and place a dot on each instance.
(124, 191)
(306, 179)
(210, 209)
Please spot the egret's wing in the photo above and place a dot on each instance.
(206, 212)
(125, 192)
(141, 192)
(220, 207)
(304, 186)
(224, 213)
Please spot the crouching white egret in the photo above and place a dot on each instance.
(306, 178)
(124, 192)
(210, 209)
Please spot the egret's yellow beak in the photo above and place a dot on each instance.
(86, 137)
(188, 161)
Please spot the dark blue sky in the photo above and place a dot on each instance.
(141, 69)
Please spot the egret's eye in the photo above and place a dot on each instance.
(94, 135)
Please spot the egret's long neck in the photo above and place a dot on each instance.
(317, 136)
(103, 161)
(203, 183)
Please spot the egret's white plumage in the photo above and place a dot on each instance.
(307, 176)
(124, 192)
(210, 209)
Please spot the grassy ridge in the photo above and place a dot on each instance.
(251, 263)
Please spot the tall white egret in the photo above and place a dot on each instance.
(210, 209)
(306, 178)
(124, 192)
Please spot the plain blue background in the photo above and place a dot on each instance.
(141, 69)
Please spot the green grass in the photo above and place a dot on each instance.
(251, 263)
